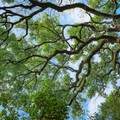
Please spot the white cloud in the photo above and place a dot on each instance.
(97, 100)
(118, 82)
(94, 103)
(64, 2)
(109, 89)
(76, 15)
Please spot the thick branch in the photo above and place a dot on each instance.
(71, 6)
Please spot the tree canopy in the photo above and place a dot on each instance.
(39, 56)
(109, 110)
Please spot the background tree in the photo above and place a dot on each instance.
(37, 52)
(109, 110)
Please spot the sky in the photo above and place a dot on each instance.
(76, 15)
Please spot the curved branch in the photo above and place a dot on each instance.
(71, 6)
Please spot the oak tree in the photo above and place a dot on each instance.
(109, 110)
(38, 53)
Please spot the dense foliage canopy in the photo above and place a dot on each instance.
(49, 69)
(109, 110)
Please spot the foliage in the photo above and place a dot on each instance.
(49, 69)
(109, 110)
(51, 101)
